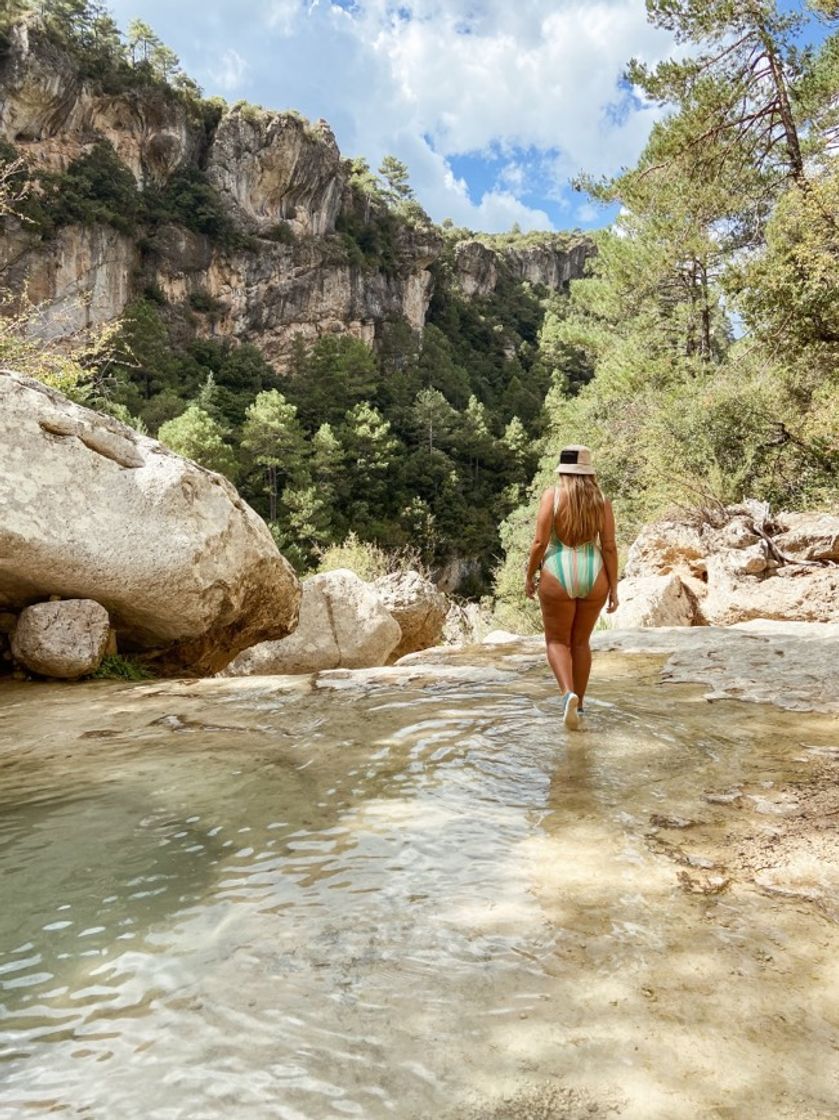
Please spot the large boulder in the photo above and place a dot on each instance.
(65, 639)
(343, 624)
(662, 600)
(90, 509)
(418, 607)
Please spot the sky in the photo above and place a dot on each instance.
(492, 104)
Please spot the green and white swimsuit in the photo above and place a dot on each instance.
(575, 566)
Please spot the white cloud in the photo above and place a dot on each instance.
(513, 176)
(282, 15)
(231, 70)
(586, 212)
(541, 75)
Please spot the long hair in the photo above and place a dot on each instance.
(579, 517)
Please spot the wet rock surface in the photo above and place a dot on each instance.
(788, 664)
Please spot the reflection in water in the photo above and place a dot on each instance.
(394, 895)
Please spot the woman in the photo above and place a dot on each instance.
(578, 575)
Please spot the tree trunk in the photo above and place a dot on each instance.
(796, 163)
(272, 493)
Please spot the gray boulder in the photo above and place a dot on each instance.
(343, 624)
(418, 607)
(66, 639)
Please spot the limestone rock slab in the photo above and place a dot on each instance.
(660, 600)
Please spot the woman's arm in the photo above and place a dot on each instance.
(609, 550)
(544, 518)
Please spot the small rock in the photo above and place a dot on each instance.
(500, 638)
(725, 797)
(65, 639)
(660, 821)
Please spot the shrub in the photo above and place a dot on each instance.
(203, 302)
(189, 199)
(281, 233)
(115, 667)
(96, 188)
(369, 561)
(153, 292)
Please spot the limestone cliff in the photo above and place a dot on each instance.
(292, 268)
(553, 264)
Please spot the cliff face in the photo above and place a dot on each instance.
(284, 186)
(53, 116)
(273, 167)
(304, 289)
(478, 266)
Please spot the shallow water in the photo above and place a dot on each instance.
(411, 896)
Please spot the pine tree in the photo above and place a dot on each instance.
(197, 436)
(274, 439)
(434, 419)
(395, 174)
(141, 41)
(164, 61)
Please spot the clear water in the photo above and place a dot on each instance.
(399, 897)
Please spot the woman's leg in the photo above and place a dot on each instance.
(558, 612)
(585, 617)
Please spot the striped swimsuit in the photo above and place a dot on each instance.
(575, 566)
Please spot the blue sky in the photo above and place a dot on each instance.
(493, 104)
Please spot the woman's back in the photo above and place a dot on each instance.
(579, 511)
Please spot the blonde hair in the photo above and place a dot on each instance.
(579, 517)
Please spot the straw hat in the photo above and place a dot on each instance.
(575, 459)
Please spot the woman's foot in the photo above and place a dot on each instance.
(570, 716)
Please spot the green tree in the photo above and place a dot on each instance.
(274, 439)
(371, 451)
(164, 62)
(97, 187)
(197, 436)
(396, 176)
(325, 382)
(141, 41)
(435, 420)
(748, 98)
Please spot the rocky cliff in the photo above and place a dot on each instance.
(296, 265)
(478, 266)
